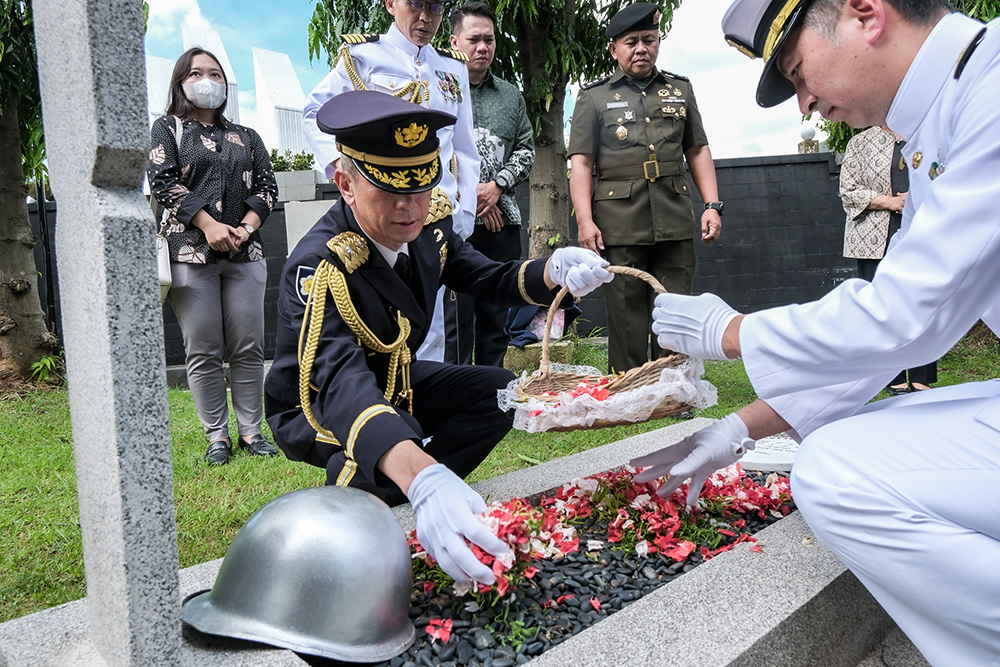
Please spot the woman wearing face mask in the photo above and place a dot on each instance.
(215, 180)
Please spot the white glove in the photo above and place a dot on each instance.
(697, 456)
(693, 325)
(446, 509)
(579, 269)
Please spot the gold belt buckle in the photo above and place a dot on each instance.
(655, 167)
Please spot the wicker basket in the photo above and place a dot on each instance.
(544, 381)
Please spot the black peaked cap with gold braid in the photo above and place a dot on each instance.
(393, 142)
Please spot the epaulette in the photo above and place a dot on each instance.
(440, 207)
(674, 76)
(963, 58)
(453, 53)
(359, 38)
(351, 248)
(595, 82)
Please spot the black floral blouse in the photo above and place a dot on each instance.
(222, 170)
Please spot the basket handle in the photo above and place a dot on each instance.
(543, 364)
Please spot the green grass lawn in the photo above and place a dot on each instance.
(41, 558)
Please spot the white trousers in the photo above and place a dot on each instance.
(907, 494)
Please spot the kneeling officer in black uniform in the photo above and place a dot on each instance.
(356, 296)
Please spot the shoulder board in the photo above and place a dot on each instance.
(440, 207)
(595, 82)
(359, 38)
(453, 53)
(674, 76)
(350, 248)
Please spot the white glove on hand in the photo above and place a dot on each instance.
(446, 509)
(693, 325)
(579, 269)
(697, 456)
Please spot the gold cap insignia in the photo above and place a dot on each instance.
(408, 137)
(351, 248)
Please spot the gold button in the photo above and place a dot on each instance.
(685, 188)
(652, 147)
(647, 119)
(619, 120)
(610, 192)
(644, 93)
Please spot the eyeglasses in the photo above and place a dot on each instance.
(435, 8)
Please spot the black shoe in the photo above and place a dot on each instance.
(687, 414)
(259, 446)
(898, 391)
(218, 453)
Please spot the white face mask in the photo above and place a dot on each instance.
(205, 94)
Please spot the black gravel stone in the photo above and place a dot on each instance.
(505, 633)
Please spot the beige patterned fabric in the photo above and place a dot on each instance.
(864, 175)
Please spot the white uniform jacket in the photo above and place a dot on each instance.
(942, 270)
(391, 64)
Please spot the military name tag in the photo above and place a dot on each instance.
(617, 105)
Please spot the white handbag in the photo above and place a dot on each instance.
(162, 250)
(163, 265)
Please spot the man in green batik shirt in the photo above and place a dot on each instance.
(637, 127)
(504, 139)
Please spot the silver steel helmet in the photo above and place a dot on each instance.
(323, 571)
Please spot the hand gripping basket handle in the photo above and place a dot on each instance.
(543, 364)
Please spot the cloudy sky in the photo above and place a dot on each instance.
(724, 80)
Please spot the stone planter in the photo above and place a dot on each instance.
(296, 185)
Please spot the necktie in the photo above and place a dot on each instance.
(402, 268)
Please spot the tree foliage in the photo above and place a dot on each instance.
(570, 36)
(543, 46)
(838, 134)
(19, 84)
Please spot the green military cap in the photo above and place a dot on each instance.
(640, 16)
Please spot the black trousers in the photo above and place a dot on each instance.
(454, 406)
(480, 337)
(926, 374)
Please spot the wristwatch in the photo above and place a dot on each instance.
(717, 205)
(247, 226)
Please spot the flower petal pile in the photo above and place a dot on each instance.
(637, 519)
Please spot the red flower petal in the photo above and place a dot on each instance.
(440, 629)
(756, 549)
(595, 603)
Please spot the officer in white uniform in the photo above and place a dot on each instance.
(402, 63)
(903, 491)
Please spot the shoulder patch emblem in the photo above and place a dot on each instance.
(440, 206)
(359, 38)
(351, 248)
(595, 82)
(304, 281)
(453, 53)
(672, 75)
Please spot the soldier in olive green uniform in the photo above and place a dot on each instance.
(637, 126)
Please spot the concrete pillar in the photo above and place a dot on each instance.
(91, 67)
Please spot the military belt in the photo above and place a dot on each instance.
(648, 170)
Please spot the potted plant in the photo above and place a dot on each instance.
(294, 174)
